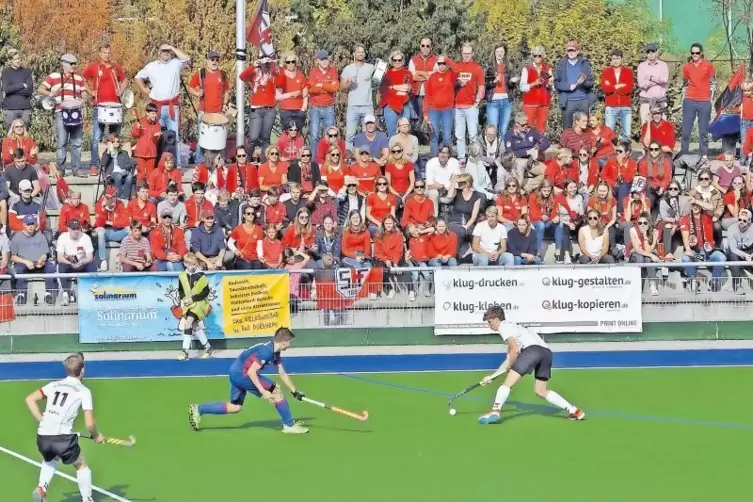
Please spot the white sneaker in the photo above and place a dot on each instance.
(65, 299)
(568, 260)
(653, 289)
(411, 296)
(391, 294)
(103, 266)
(72, 297)
(427, 291)
(294, 429)
(372, 296)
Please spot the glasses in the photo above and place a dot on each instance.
(274, 154)
(426, 46)
(397, 151)
(332, 135)
(167, 217)
(538, 55)
(248, 214)
(593, 218)
(290, 62)
(18, 127)
(584, 155)
(214, 59)
(643, 223)
(382, 184)
(306, 155)
(397, 60)
(695, 53)
(293, 129)
(441, 63)
(705, 178)
(209, 218)
(654, 149)
(352, 185)
(673, 189)
(620, 151)
(741, 220)
(419, 187)
(650, 51)
(364, 153)
(303, 217)
(334, 154)
(572, 50)
(241, 156)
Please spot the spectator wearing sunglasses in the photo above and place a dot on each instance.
(709, 198)
(261, 78)
(377, 141)
(400, 172)
(699, 243)
(421, 66)
(395, 91)
(242, 175)
(657, 169)
(419, 209)
(168, 244)
(349, 200)
(699, 75)
(619, 172)
(536, 86)
(593, 240)
(439, 104)
(672, 206)
(292, 92)
(332, 139)
(653, 80)
(243, 242)
(323, 86)
(365, 170)
(290, 142)
(304, 171)
(740, 242)
(212, 87)
(380, 204)
(642, 246)
(736, 199)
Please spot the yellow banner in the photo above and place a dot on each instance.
(255, 305)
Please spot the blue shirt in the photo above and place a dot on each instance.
(263, 353)
(573, 72)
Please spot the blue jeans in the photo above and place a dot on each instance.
(391, 117)
(690, 110)
(169, 266)
(22, 284)
(353, 118)
(519, 260)
(562, 239)
(505, 259)
(498, 114)
(715, 257)
(63, 268)
(540, 227)
(123, 182)
(171, 124)
(74, 135)
(106, 235)
(625, 116)
(440, 119)
(427, 275)
(465, 119)
(260, 124)
(352, 262)
(621, 191)
(321, 118)
(436, 262)
(98, 131)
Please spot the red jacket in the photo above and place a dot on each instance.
(164, 242)
(201, 174)
(704, 232)
(194, 210)
(391, 97)
(325, 95)
(443, 245)
(419, 63)
(69, 213)
(623, 95)
(263, 91)
(242, 179)
(147, 215)
(294, 241)
(612, 171)
(146, 134)
(417, 212)
(539, 95)
(660, 174)
(535, 210)
(117, 219)
(160, 178)
(603, 143)
(439, 92)
(593, 171)
(389, 247)
(356, 242)
(10, 144)
(559, 176)
(663, 132)
(419, 248)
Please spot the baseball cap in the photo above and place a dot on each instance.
(322, 54)
(213, 55)
(25, 185)
(369, 119)
(351, 180)
(30, 219)
(74, 225)
(164, 48)
(69, 58)
(207, 214)
(651, 48)
(166, 212)
(364, 149)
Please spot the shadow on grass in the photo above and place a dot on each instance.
(519, 410)
(275, 425)
(119, 490)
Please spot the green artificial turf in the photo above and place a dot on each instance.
(650, 435)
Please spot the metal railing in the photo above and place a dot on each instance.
(404, 298)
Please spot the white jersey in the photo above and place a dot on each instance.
(64, 399)
(524, 336)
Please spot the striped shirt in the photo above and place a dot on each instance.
(135, 250)
(64, 87)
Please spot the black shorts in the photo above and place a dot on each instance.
(535, 358)
(64, 446)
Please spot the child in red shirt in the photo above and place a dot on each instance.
(147, 132)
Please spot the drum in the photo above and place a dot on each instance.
(379, 70)
(72, 111)
(213, 131)
(110, 113)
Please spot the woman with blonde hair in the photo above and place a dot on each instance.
(407, 141)
(292, 92)
(593, 240)
(18, 137)
(536, 83)
(395, 91)
(334, 169)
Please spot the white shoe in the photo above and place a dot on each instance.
(568, 260)
(72, 297)
(372, 296)
(103, 266)
(391, 294)
(653, 289)
(411, 296)
(427, 291)
(66, 299)
(294, 429)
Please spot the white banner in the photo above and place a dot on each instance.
(549, 300)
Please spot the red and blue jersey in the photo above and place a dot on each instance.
(263, 353)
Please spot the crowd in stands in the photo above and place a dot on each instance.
(491, 195)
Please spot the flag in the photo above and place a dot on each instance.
(732, 95)
(341, 287)
(259, 33)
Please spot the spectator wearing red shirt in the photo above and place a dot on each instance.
(512, 204)
(273, 172)
(658, 129)
(74, 209)
(578, 136)
(147, 132)
(143, 211)
(746, 109)
(605, 139)
(18, 137)
(439, 104)
(588, 172)
(212, 87)
(536, 86)
(356, 245)
(162, 176)
(395, 91)
(300, 234)
(290, 143)
(334, 169)
(656, 167)
(443, 246)
(618, 83)
(419, 209)
(471, 81)
(243, 242)
(168, 243)
(292, 92)
(105, 83)
(242, 176)
(365, 170)
(389, 249)
(380, 204)
(196, 204)
(270, 248)
(325, 144)
(323, 87)
(274, 210)
(261, 78)
(418, 256)
(699, 75)
(111, 222)
(619, 172)
(543, 212)
(559, 170)
(400, 172)
(213, 173)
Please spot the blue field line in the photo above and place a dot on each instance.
(382, 363)
(546, 409)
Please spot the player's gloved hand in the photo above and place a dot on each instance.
(299, 395)
(486, 380)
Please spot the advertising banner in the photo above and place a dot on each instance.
(147, 308)
(550, 300)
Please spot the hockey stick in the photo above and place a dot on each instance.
(362, 417)
(463, 392)
(129, 443)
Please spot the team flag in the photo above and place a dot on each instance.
(259, 33)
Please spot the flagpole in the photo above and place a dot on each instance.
(240, 65)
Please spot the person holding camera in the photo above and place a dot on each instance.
(261, 76)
